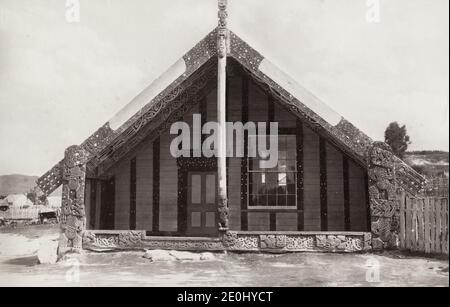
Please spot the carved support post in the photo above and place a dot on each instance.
(73, 216)
(384, 211)
(222, 51)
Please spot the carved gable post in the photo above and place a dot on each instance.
(382, 196)
(222, 51)
(73, 216)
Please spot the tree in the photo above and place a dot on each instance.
(396, 137)
(31, 195)
(36, 197)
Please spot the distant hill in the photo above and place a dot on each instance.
(20, 184)
(16, 184)
(429, 163)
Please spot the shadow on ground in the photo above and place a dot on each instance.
(301, 269)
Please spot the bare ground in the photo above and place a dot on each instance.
(131, 269)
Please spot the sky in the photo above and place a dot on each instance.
(373, 61)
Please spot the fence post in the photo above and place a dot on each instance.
(420, 225)
(408, 232)
(445, 218)
(427, 237)
(438, 226)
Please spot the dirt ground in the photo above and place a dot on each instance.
(19, 267)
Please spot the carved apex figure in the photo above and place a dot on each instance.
(222, 14)
(222, 32)
(73, 216)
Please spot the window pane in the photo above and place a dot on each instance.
(281, 200)
(272, 183)
(291, 188)
(253, 200)
(258, 183)
(282, 179)
(282, 165)
(282, 183)
(272, 200)
(291, 200)
(290, 178)
(262, 200)
(291, 165)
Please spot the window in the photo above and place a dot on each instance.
(274, 188)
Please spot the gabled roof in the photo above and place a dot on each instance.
(183, 84)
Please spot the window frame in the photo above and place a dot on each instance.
(251, 171)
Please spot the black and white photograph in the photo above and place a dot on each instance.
(213, 146)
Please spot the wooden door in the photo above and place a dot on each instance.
(202, 204)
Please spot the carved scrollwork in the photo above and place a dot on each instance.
(229, 238)
(223, 210)
(383, 208)
(131, 238)
(382, 194)
(73, 213)
(222, 31)
(272, 241)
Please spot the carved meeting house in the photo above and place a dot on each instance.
(333, 188)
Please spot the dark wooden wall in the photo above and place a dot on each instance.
(331, 188)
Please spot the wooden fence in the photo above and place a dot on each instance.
(437, 187)
(424, 224)
(20, 214)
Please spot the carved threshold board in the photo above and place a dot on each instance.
(244, 241)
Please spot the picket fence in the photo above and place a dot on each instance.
(424, 224)
(20, 214)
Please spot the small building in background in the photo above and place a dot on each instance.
(18, 201)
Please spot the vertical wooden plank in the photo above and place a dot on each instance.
(408, 232)
(426, 220)
(346, 194)
(244, 170)
(421, 227)
(156, 169)
(447, 221)
(272, 221)
(417, 218)
(432, 224)
(414, 224)
(444, 222)
(300, 178)
(323, 185)
(132, 215)
(93, 203)
(445, 205)
(437, 246)
(444, 226)
(402, 221)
